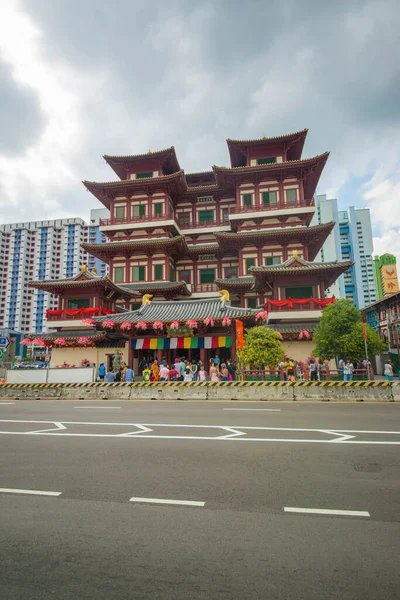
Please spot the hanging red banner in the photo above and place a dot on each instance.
(239, 335)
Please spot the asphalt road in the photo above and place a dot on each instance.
(241, 465)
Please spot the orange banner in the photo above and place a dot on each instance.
(239, 335)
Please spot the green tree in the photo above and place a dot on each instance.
(340, 333)
(262, 347)
(117, 361)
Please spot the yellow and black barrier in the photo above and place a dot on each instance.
(209, 384)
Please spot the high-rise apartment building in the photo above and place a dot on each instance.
(36, 250)
(95, 236)
(327, 211)
(350, 239)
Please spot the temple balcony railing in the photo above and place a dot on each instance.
(279, 206)
(205, 287)
(185, 224)
(114, 221)
(296, 307)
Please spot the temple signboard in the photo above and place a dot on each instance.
(182, 331)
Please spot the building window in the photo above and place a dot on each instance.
(207, 275)
(157, 208)
(144, 175)
(119, 274)
(273, 260)
(225, 214)
(206, 216)
(139, 210)
(230, 272)
(291, 196)
(269, 198)
(74, 303)
(158, 272)
(138, 273)
(250, 262)
(247, 199)
(184, 219)
(266, 161)
(184, 276)
(251, 302)
(171, 273)
(298, 292)
(120, 212)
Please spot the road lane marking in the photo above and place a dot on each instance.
(6, 403)
(103, 407)
(165, 501)
(327, 511)
(29, 492)
(256, 409)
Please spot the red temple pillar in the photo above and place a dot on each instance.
(159, 355)
(203, 357)
(233, 347)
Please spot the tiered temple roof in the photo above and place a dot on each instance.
(83, 280)
(292, 143)
(122, 164)
(164, 288)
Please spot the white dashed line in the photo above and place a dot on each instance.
(327, 511)
(256, 409)
(166, 501)
(29, 492)
(103, 407)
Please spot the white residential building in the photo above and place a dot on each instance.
(34, 251)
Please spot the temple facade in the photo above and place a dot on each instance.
(244, 229)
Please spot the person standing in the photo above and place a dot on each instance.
(214, 372)
(193, 369)
(129, 374)
(217, 360)
(110, 376)
(341, 366)
(232, 370)
(164, 373)
(388, 372)
(146, 374)
(102, 371)
(202, 374)
(155, 370)
(313, 371)
(224, 372)
(348, 371)
(188, 376)
(183, 367)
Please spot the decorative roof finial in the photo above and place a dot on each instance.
(295, 254)
(224, 295)
(84, 268)
(146, 299)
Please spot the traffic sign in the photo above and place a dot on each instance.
(4, 342)
(1, 353)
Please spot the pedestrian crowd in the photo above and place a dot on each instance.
(184, 370)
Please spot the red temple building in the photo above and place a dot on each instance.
(183, 238)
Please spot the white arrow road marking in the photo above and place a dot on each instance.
(58, 427)
(234, 433)
(341, 438)
(142, 429)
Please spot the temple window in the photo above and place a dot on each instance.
(247, 199)
(272, 260)
(119, 274)
(138, 273)
(269, 198)
(184, 218)
(251, 302)
(250, 262)
(120, 212)
(291, 196)
(158, 272)
(225, 214)
(230, 272)
(205, 216)
(139, 210)
(185, 276)
(144, 175)
(157, 208)
(266, 161)
(78, 303)
(299, 292)
(207, 275)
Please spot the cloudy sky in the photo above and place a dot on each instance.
(83, 78)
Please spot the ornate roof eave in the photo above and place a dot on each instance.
(291, 140)
(162, 288)
(169, 311)
(121, 164)
(328, 272)
(314, 236)
(305, 169)
(174, 184)
(55, 286)
(174, 244)
(236, 283)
